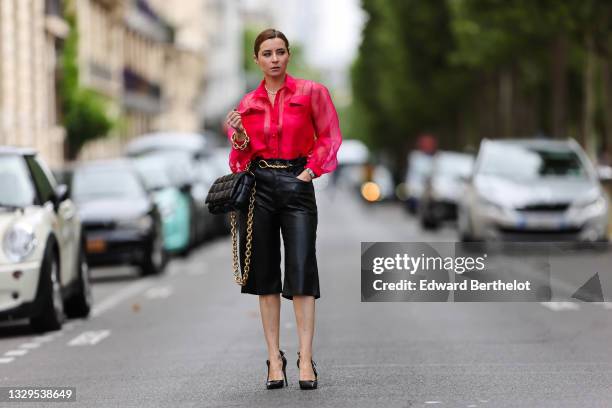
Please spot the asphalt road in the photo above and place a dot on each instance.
(189, 338)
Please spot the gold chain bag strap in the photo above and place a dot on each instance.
(242, 280)
(229, 194)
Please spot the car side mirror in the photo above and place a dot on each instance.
(604, 173)
(62, 193)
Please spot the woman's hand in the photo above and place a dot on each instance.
(234, 120)
(305, 176)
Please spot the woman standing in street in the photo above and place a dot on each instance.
(287, 132)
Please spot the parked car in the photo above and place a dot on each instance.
(418, 169)
(443, 187)
(187, 150)
(43, 270)
(207, 171)
(174, 205)
(533, 189)
(122, 223)
(194, 143)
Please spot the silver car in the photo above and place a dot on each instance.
(533, 190)
(444, 187)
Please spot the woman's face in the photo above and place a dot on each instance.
(273, 57)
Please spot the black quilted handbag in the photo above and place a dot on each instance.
(230, 192)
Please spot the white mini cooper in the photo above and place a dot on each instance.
(43, 271)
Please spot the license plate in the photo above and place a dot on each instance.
(545, 221)
(96, 246)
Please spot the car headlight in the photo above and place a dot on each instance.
(485, 202)
(491, 208)
(143, 223)
(582, 204)
(19, 242)
(595, 205)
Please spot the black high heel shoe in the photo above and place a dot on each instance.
(308, 384)
(273, 384)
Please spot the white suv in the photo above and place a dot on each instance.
(43, 271)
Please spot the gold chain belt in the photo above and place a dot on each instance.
(265, 165)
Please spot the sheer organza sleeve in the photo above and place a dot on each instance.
(238, 159)
(327, 128)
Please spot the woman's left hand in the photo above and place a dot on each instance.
(304, 176)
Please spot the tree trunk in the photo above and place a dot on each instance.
(588, 112)
(505, 103)
(607, 108)
(559, 87)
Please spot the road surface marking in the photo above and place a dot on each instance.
(558, 306)
(607, 305)
(45, 338)
(89, 338)
(30, 345)
(433, 402)
(159, 292)
(14, 353)
(6, 360)
(119, 296)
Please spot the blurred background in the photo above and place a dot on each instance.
(471, 120)
(82, 78)
(420, 86)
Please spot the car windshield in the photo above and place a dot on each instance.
(526, 162)
(452, 165)
(16, 189)
(96, 183)
(153, 173)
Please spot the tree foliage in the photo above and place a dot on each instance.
(85, 115)
(468, 69)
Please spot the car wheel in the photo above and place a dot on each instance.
(51, 316)
(428, 222)
(79, 305)
(463, 227)
(184, 253)
(156, 257)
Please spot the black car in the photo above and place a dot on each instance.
(122, 224)
(186, 151)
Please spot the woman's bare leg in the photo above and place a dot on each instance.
(269, 306)
(304, 307)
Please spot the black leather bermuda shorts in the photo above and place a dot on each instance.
(284, 205)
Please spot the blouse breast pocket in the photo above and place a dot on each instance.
(298, 104)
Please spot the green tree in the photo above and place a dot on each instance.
(403, 82)
(85, 115)
(468, 69)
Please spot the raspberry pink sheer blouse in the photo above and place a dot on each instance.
(302, 122)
